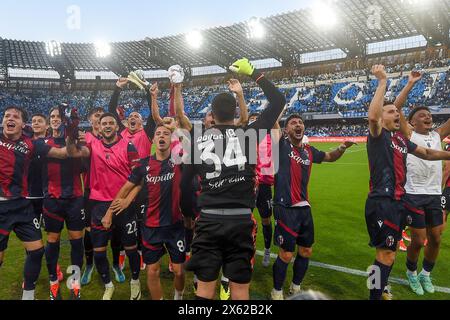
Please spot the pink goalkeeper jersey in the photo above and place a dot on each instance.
(264, 168)
(110, 167)
(140, 141)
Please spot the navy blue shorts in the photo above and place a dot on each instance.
(423, 211)
(223, 242)
(125, 224)
(87, 208)
(445, 199)
(293, 226)
(58, 211)
(264, 201)
(157, 241)
(38, 205)
(385, 220)
(18, 216)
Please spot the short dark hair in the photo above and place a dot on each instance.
(417, 109)
(41, 115)
(224, 107)
(22, 112)
(108, 114)
(293, 116)
(94, 111)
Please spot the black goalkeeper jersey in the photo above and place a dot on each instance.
(225, 157)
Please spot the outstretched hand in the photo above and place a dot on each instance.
(235, 86)
(122, 82)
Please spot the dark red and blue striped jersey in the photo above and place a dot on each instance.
(161, 189)
(387, 161)
(35, 190)
(61, 178)
(291, 181)
(15, 159)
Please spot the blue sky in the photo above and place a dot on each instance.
(115, 20)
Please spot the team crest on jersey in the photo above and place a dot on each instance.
(409, 220)
(280, 240)
(390, 241)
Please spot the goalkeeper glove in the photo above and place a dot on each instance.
(244, 67)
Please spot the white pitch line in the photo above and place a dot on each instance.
(356, 272)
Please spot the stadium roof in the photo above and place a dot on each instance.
(287, 37)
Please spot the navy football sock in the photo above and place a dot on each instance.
(32, 268)
(300, 267)
(135, 263)
(76, 253)
(267, 233)
(428, 266)
(376, 293)
(52, 256)
(102, 265)
(88, 248)
(279, 273)
(116, 246)
(411, 266)
(189, 234)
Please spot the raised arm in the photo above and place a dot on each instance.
(150, 126)
(376, 106)
(335, 155)
(58, 153)
(154, 91)
(276, 99)
(235, 86)
(444, 130)
(74, 151)
(114, 102)
(401, 99)
(183, 120)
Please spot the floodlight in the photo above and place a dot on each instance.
(102, 49)
(53, 48)
(255, 29)
(194, 39)
(323, 15)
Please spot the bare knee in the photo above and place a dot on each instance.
(153, 271)
(53, 237)
(285, 256)
(305, 252)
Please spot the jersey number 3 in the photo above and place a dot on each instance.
(233, 156)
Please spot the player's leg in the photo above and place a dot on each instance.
(285, 237)
(206, 259)
(127, 225)
(22, 221)
(152, 252)
(418, 238)
(176, 246)
(75, 224)
(239, 247)
(100, 238)
(87, 243)
(153, 279)
(435, 226)
(116, 248)
(305, 241)
(32, 269)
(54, 224)
(264, 205)
(384, 225)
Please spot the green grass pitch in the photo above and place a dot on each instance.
(337, 191)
